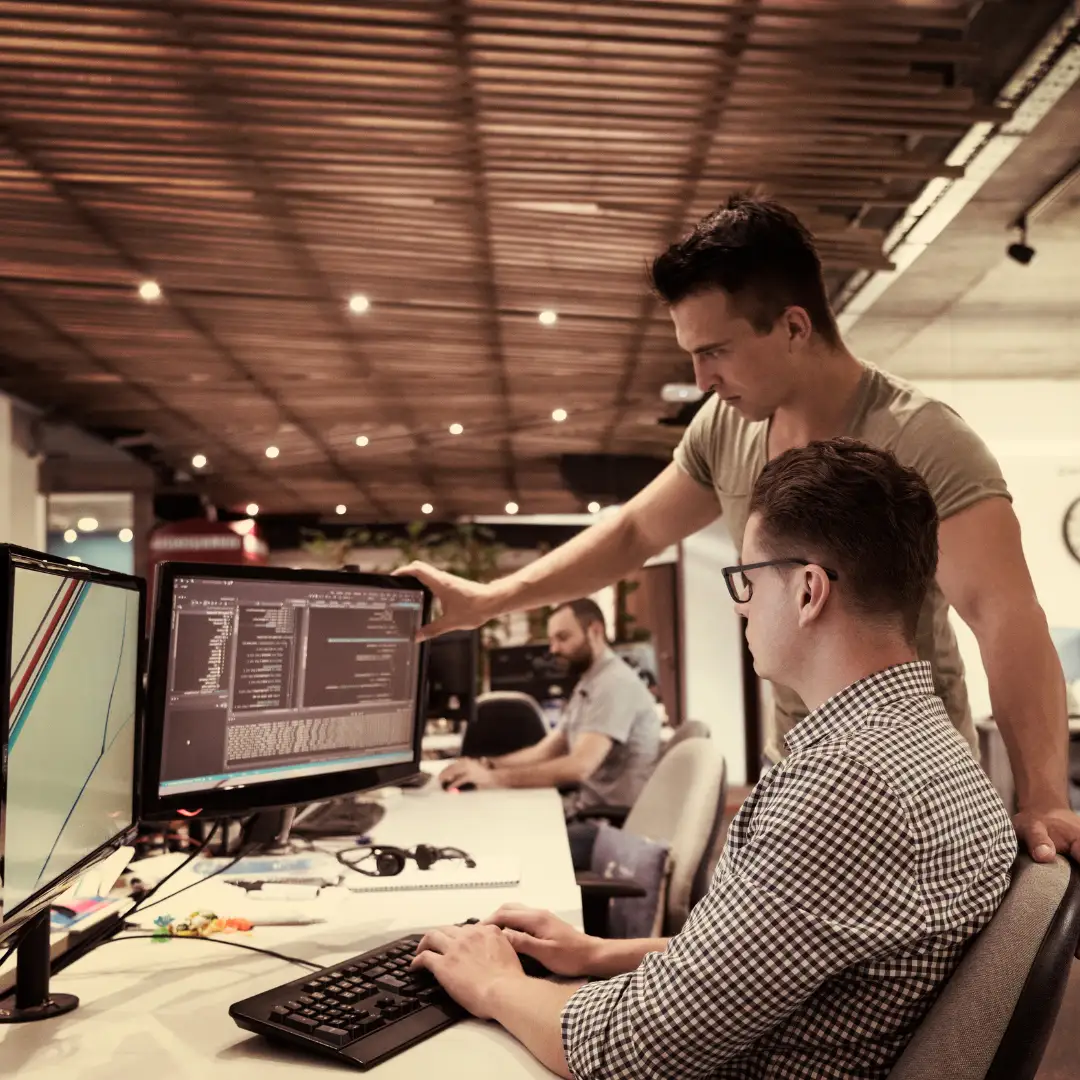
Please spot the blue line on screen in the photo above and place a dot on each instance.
(395, 757)
(43, 677)
(366, 640)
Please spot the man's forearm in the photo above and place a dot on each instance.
(1027, 696)
(530, 755)
(594, 558)
(614, 956)
(561, 770)
(531, 1010)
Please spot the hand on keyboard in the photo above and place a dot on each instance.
(470, 963)
(546, 941)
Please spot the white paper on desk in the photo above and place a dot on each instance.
(445, 874)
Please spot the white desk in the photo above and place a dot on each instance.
(160, 1011)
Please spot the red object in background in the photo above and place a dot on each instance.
(235, 543)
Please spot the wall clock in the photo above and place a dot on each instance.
(1071, 530)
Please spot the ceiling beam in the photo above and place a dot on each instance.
(479, 214)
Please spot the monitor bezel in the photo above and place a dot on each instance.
(273, 794)
(11, 557)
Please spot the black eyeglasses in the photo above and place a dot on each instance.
(742, 588)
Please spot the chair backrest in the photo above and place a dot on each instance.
(994, 1017)
(691, 729)
(699, 886)
(506, 720)
(678, 805)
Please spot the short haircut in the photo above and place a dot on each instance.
(585, 611)
(760, 254)
(855, 509)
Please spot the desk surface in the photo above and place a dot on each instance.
(160, 1010)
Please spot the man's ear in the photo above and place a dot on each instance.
(814, 590)
(798, 327)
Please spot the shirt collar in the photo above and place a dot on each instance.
(846, 709)
(599, 662)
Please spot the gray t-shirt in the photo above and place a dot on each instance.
(726, 452)
(611, 700)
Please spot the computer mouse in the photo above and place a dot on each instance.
(467, 786)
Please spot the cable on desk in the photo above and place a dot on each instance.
(218, 941)
(141, 902)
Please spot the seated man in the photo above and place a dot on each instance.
(609, 736)
(857, 870)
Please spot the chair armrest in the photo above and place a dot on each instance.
(595, 885)
(615, 815)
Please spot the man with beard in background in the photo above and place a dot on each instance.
(608, 739)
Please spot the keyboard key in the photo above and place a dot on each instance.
(335, 1036)
(305, 1000)
(318, 997)
(302, 1023)
(365, 1027)
(352, 969)
(385, 1002)
(390, 982)
(279, 1013)
(293, 1006)
(309, 986)
(348, 997)
(375, 972)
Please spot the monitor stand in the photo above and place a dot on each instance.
(268, 832)
(31, 999)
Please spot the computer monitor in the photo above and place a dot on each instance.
(530, 669)
(271, 687)
(72, 654)
(452, 671)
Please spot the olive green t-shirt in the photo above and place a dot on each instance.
(726, 452)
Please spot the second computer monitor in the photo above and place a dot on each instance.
(531, 669)
(71, 649)
(272, 687)
(453, 666)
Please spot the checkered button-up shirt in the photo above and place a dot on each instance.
(853, 877)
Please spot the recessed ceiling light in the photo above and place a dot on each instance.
(86, 524)
(362, 440)
(456, 429)
(548, 318)
(340, 508)
(70, 535)
(359, 303)
(251, 509)
(512, 508)
(272, 451)
(594, 508)
(199, 461)
(427, 508)
(125, 536)
(150, 291)
(559, 415)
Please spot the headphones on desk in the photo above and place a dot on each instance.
(384, 860)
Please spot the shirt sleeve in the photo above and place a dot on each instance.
(608, 708)
(816, 889)
(697, 450)
(955, 463)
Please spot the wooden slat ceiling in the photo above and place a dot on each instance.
(462, 163)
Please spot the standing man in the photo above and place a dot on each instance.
(748, 302)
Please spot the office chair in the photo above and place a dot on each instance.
(994, 1017)
(679, 806)
(505, 721)
(691, 729)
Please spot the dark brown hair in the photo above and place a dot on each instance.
(855, 509)
(760, 254)
(585, 611)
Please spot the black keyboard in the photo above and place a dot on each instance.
(361, 1012)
